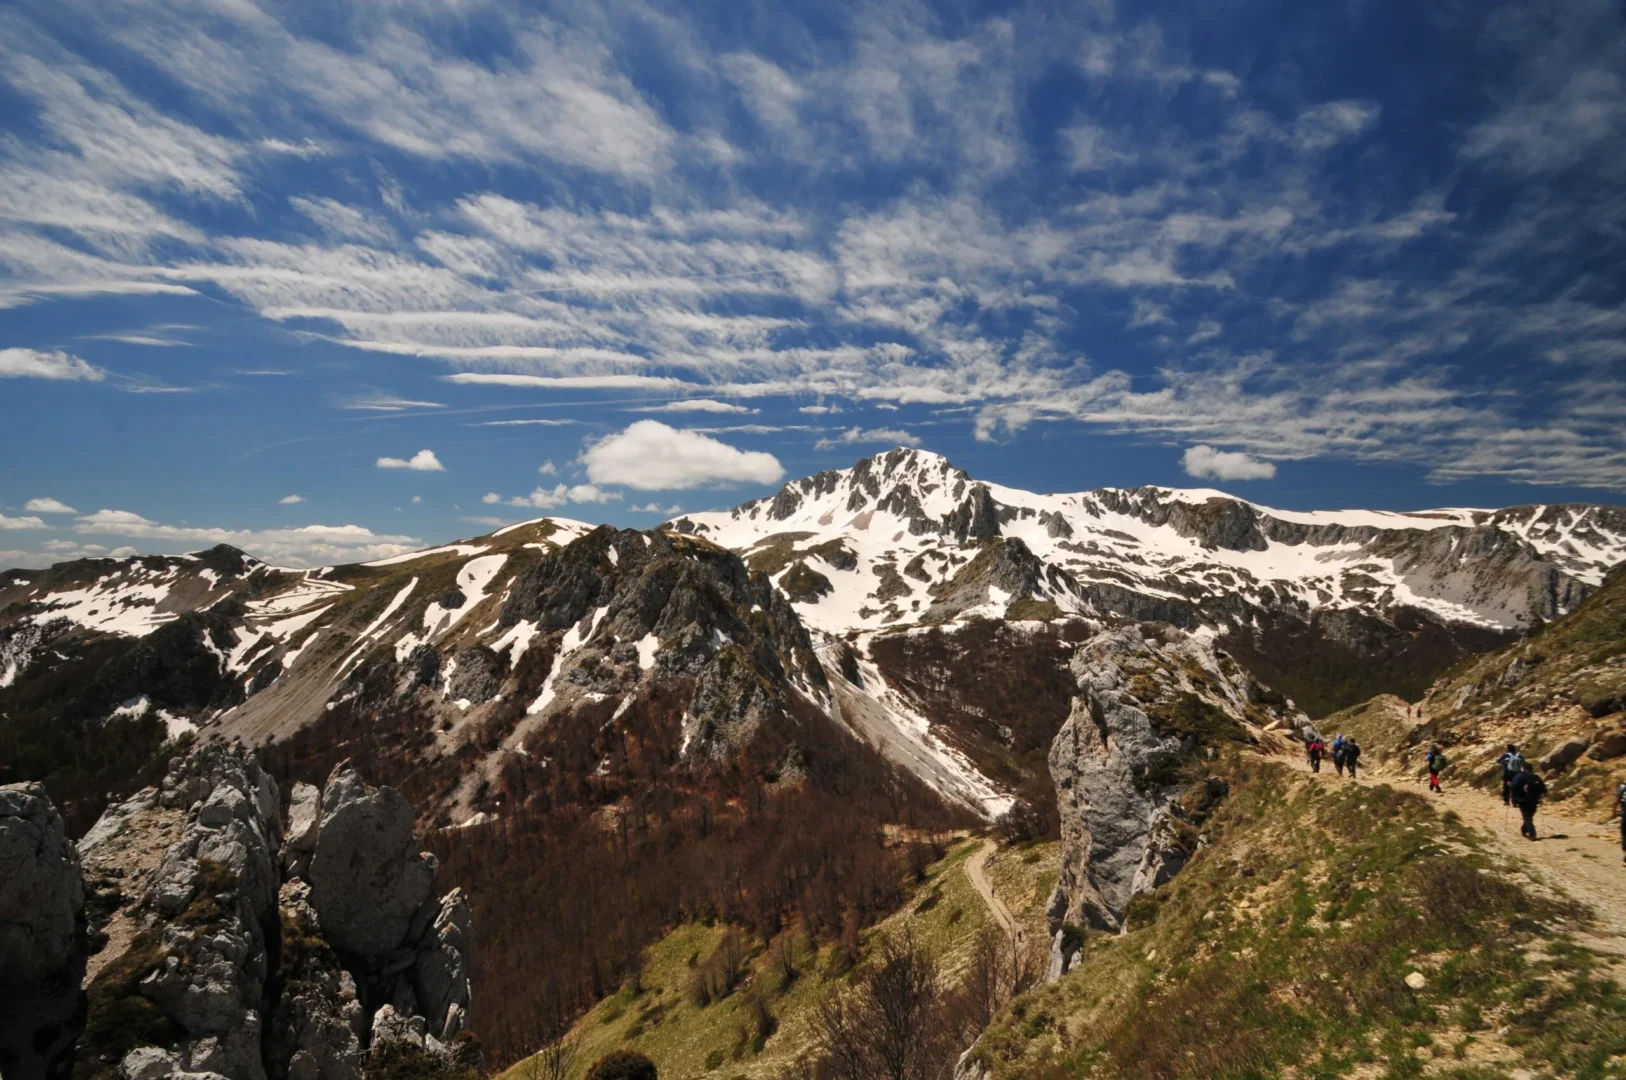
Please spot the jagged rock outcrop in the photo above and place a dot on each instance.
(42, 937)
(1154, 705)
(219, 965)
(208, 924)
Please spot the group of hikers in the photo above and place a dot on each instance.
(1521, 787)
(1345, 753)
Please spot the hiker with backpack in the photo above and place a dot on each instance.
(1315, 748)
(1338, 744)
(1352, 754)
(1511, 762)
(1436, 765)
(1525, 790)
(1620, 808)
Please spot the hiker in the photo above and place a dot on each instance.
(1352, 754)
(1526, 790)
(1436, 765)
(1511, 762)
(1620, 808)
(1338, 745)
(1315, 748)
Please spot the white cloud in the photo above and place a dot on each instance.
(416, 499)
(488, 522)
(895, 436)
(548, 468)
(1207, 463)
(527, 423)
(650, 456)
(422, 461)
(48, 506)
(819, 410)
(35, 364)
(656, 508)
(571, 382)
(310, 545)
(381, 402)
(29, 522)
(560, 495)
(710, 405)
(290, 500)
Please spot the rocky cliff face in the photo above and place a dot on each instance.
(42, 937)
(1154, 707)
(219, 960)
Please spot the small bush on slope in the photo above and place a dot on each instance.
(1286, 945)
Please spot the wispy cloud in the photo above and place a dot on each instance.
(48, 506)
(18, 363)
(308, 545)
(853, 435)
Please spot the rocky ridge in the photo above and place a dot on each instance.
(219, 959)
(1131, 766)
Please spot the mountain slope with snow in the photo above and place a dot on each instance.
(903, 538)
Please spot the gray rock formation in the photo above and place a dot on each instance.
(1129, 766)
(368, 880)
(215, 901)
(266, 979)
(42, 937)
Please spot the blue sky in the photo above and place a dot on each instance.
(329, 280)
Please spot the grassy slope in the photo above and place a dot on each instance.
(687, 1041)
(1284, 947)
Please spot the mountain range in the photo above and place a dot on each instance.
(882, 597)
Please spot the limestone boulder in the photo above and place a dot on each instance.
(368, 880)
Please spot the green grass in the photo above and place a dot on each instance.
(1284, 948)
(687, 1041)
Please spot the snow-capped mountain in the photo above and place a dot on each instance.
(905, 538)
(928, 614)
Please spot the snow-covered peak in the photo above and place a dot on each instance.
(885, 542)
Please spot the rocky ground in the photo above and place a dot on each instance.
(223, 945)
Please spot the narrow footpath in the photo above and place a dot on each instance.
(1581, 859)
(976, 868)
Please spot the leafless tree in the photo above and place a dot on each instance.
(889, 1025)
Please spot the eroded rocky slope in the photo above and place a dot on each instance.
(1134, 766)
(224, 947)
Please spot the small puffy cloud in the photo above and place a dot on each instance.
(896, 436)
(710, 405)
(650, 456)
(560, 495)
(48, 506)
(34, 364)
(422, 461)
(548, 468)
(1207, 463)
(491, 498)
(29, 522)
(656, 508)
(416, 499)
(819, 410)
(290, 500)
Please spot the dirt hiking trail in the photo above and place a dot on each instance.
(976, 868)
(1580, 858)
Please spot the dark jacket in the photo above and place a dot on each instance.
(1527, 789)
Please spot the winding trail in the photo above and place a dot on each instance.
(1580, 858)
(976, 868)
